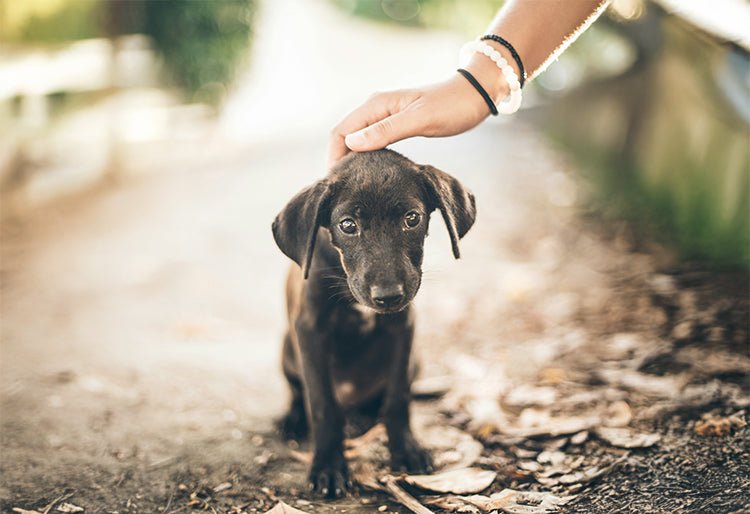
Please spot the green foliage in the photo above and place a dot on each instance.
(466, 16)
(75, 20)
(201, 42)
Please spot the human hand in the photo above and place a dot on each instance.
(443, 109)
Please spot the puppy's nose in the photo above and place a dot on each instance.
(387, 296)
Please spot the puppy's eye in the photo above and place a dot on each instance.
(348, 226)
(412, 219)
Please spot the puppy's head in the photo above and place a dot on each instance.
(376, 206)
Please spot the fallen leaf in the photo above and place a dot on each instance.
(650, 385)
(579, 438)
(619, 414)
(69, 507)
(551, 457)
(19, 510)
(579, 477)
(720, 426)
(552, 376)
(457, 481)
(283, 508)
(451, 448)
(526, 502)
(552, 426)
(508, 501)
(563, 468)
(431, 387)
(626, 438)
(525, 395)
(529, 465)
(222, 487)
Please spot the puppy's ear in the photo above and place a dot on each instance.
(296, 227)
(456, 203)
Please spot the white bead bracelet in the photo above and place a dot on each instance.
(512, 102)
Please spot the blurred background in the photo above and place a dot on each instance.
(660, 99)
(145, 147)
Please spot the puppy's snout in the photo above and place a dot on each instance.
(387, 296)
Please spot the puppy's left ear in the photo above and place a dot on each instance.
(456, 203)
(296, 227)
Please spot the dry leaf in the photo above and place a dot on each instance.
(457, 481)
(551, 457)
(619, 414)
(451, 448)
(19, 510)
(553, 426)
(525, 395)
(508, 501)
(720, 426)
(69, 507)
(626, 438)
(526, 502)
(222, 487)
(283, 508)
(650, 385)
(579, 438)
(579, 477)
(431, 387)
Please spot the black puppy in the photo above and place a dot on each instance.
(357, 237)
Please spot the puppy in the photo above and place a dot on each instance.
(357, 239)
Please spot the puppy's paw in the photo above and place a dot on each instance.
(411, 457)
(293, 426)
(330, 479)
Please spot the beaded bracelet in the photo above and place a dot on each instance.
(512, 102)
(513, 53)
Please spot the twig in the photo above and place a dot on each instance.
(57, 500)
(166, 461)
(303, 457)
(169, 502)
(403, 497)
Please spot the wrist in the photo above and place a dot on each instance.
(489, 76)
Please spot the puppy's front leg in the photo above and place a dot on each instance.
(329, 473)
(406, 452)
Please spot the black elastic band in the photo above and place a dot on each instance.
(480, 89)
(512, 51)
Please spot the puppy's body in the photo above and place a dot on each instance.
(357, 238)
(360, 346)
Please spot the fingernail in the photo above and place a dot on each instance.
(355, 139)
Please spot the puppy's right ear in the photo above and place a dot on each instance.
(296, 227)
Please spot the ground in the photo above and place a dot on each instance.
(142, 325)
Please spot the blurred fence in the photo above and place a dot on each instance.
(79, 78)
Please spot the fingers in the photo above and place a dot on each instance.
(377, 108)
(386, 131)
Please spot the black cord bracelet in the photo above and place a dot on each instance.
(512, 51)
(474, 82)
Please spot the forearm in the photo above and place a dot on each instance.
(539, 30)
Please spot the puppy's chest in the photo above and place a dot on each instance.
(360, 339)
(355, 321)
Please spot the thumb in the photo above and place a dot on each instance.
(384, 132)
